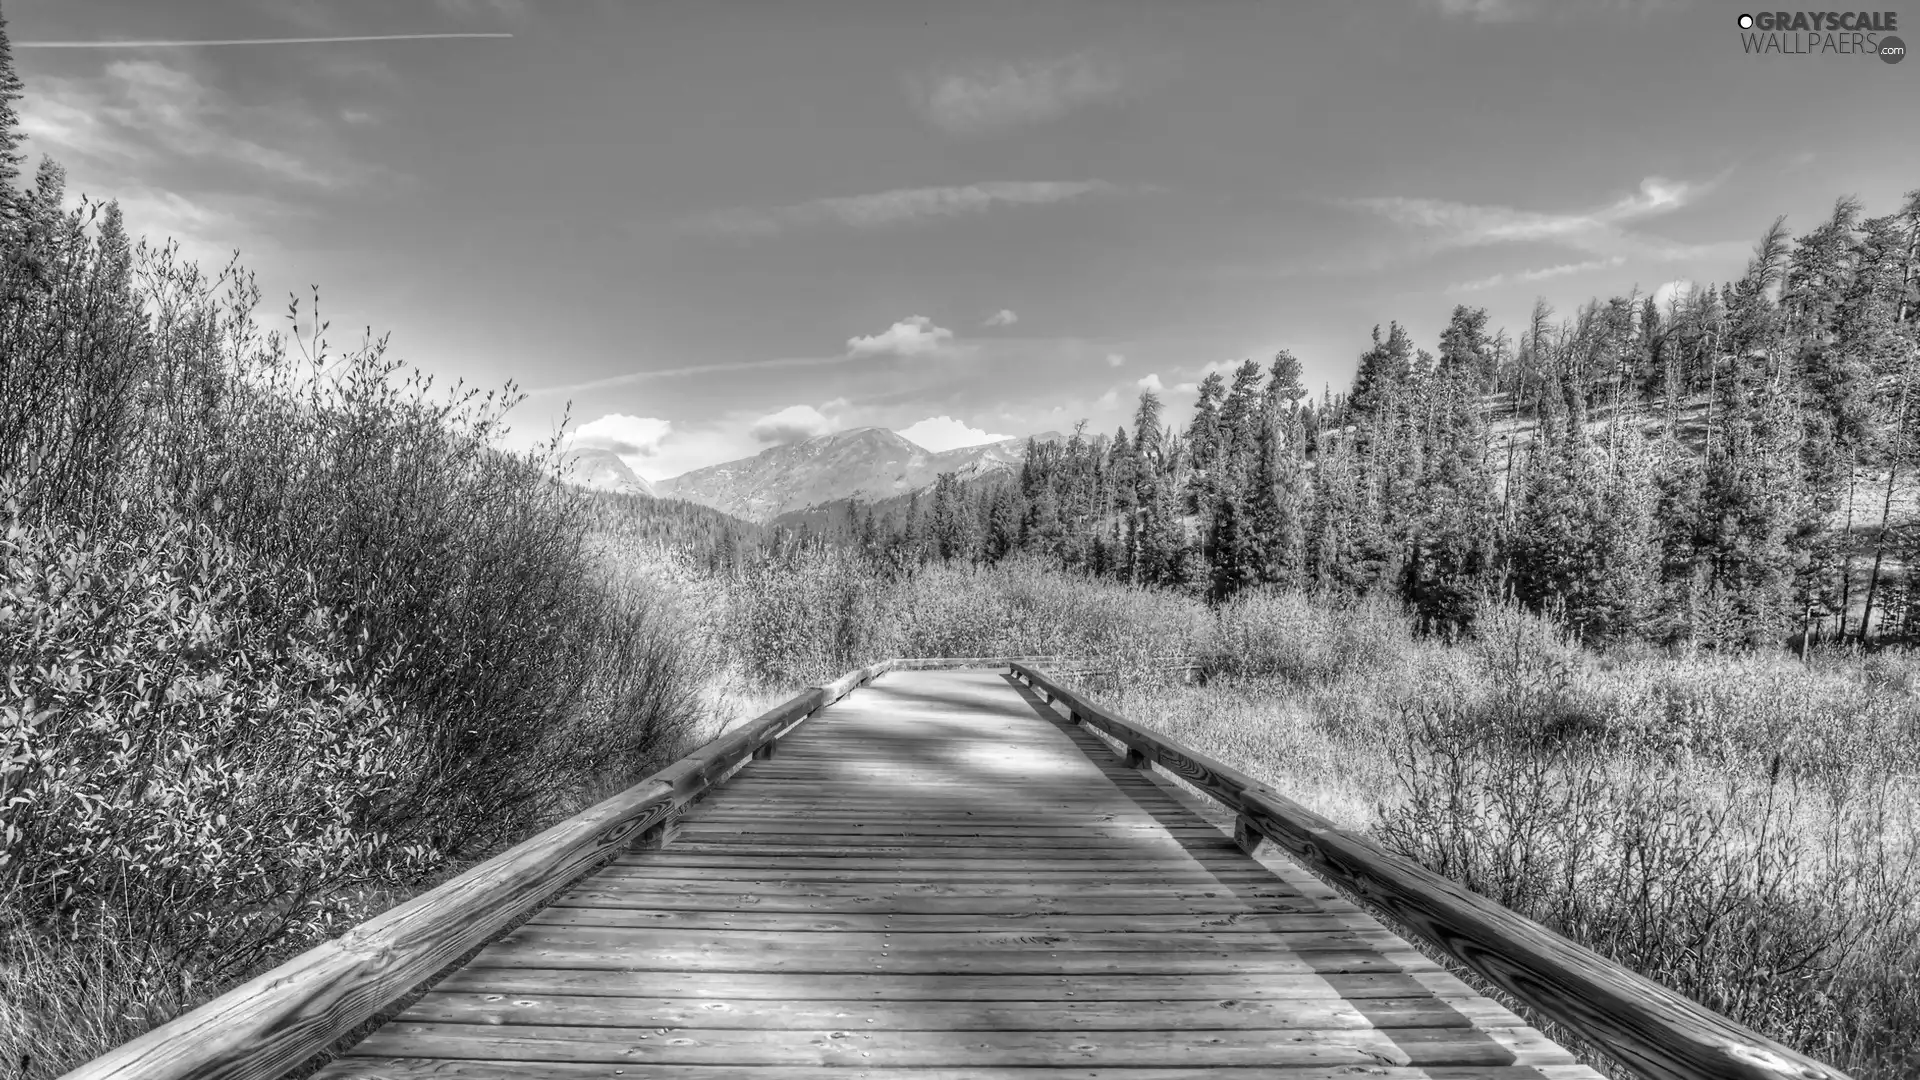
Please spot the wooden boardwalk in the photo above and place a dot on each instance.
(943, 877)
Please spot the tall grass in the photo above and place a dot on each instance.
(285, 636)
(812, 612)
(1739, 827)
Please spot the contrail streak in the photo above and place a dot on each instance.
(189, 43)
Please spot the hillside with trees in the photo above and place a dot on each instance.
(1734, 467)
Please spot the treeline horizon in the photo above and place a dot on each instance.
(1680, 474)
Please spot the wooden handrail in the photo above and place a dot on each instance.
(272, 1023)
(931, 663)
(1643, 1025)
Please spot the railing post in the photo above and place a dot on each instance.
(657, 836)
(1245, 835)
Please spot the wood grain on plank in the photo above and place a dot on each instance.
(1076, 890)
(988, 940)
(751, 1014)
(405, 1068)
(898, 986)
(1024, 921)
(915, 906)
(534, 954)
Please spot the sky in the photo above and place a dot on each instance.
(696, 229)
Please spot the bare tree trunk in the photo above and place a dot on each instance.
(1846, 541)
(1886, 504)
(1713, 385)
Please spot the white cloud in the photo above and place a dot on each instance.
(896, 207)
(1679, 290)
(938, 433)
(1498, 11)
(504, 9)
(145, 115)
(1150, 381)
(1186, 387)
(1486, 10)
(914, 335)
(637, 437)
(1003, 317)
(791, 424)
(1602, 232)
(1542, 274)
(995, 97)
(697, 447)
(1114, 359)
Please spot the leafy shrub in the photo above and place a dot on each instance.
(807, 614)
(1019, 607)
(284, 635)
(188, 757)
(1309, 640)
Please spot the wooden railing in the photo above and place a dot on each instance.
(1639, 1023)
(275, 1022)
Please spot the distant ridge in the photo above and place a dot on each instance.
(602, 470)
(871, 463)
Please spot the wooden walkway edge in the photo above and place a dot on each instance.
(942, 877)
(947, 875)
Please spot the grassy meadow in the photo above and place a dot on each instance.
(287, 639)
(1739, 826)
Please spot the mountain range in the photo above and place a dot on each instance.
(868, 463)
(602, 470)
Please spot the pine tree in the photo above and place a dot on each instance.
(1235, 561)
(951, 532)
(1450, 520)
(1384, 370)
(1465, 350)
(11, 156)
(1272, 511)
(1004, 514)
(1203, 433)
(1239, 418)
(1283, 391)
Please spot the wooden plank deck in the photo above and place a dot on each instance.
(941, 877)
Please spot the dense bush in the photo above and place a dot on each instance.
(810, 612)
(187, 761)
(1273, 633)
(284, 635)
(1744, 828)
(1021, 608)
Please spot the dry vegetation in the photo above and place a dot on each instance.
(1739, 825)
(287, 639)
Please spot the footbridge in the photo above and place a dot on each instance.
(948, 870)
